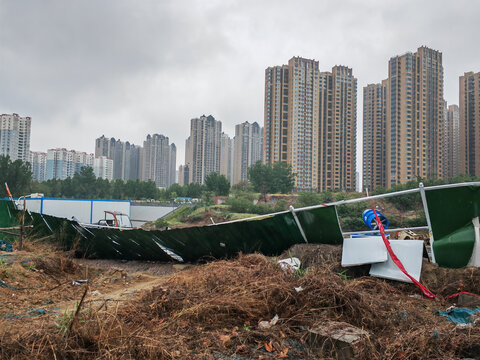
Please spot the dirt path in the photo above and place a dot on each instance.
(124, 281)
(100, 297)
(46, 287)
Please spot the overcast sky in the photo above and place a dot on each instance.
(84, 68)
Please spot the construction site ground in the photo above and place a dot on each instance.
(53, 306)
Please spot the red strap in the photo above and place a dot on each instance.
(397, 262)
(460, 293)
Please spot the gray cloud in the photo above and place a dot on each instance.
(123, 68)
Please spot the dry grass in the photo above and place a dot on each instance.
(215, 309)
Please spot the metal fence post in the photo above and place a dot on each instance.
(298, 223)
(427, 216)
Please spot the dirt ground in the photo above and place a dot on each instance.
(243, 308)
(39, 287)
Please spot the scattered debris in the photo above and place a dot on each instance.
(409, 252)
(363, 250)
(459, 315)
(341, 338)
(212, 310)
(468, 300)
(268, 324)
(5, 246)
(290, 265)
(78, 282)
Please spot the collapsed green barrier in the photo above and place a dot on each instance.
(454, 250)
(271, 236)
(7, 214)
(451, 212)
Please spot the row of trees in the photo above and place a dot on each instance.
(84, 185)
(262, 178)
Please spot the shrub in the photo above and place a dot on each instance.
(239, 205)
(281, 205)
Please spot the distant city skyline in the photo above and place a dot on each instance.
(129, 69)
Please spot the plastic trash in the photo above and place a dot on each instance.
(459, 315)
(5, 246)
(268, 324)
(78, 282)
(290, 265)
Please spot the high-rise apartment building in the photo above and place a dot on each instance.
(132, 162)
(202, 148)
(15, 136)
(181, 175)
(248, 149)
(103, 167)
(63, 163)
(81, 159)
(310, 123)
(404, 122)
(38, 161)
(414, 116)
(173, 164)
(59, 164)
(338, 160)
(451, 142)
(159, 159)
(126, 157)
(226, 157)
(469, 124)
(374, 136)
(105, 147)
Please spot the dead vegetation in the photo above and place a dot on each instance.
(213, 311)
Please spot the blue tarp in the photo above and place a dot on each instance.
(459, 315)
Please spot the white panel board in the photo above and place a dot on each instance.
(99, 206)
(475, 259)
(363, 250)
(140, 214)
(33, 205)
(409, 252)
(66, 208)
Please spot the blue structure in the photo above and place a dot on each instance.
(369, 219)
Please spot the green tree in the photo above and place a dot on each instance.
(194, 190)
(68, 188)
(118, 189)
(243, 186)
(270, 178)
(207, 197)
(177, 190)
(149, 190)
(102, 189)
(83, 183)
(282, 177)
(18, 176)
(218, 184)
(261, 178)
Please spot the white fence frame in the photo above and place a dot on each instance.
(421, 189)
